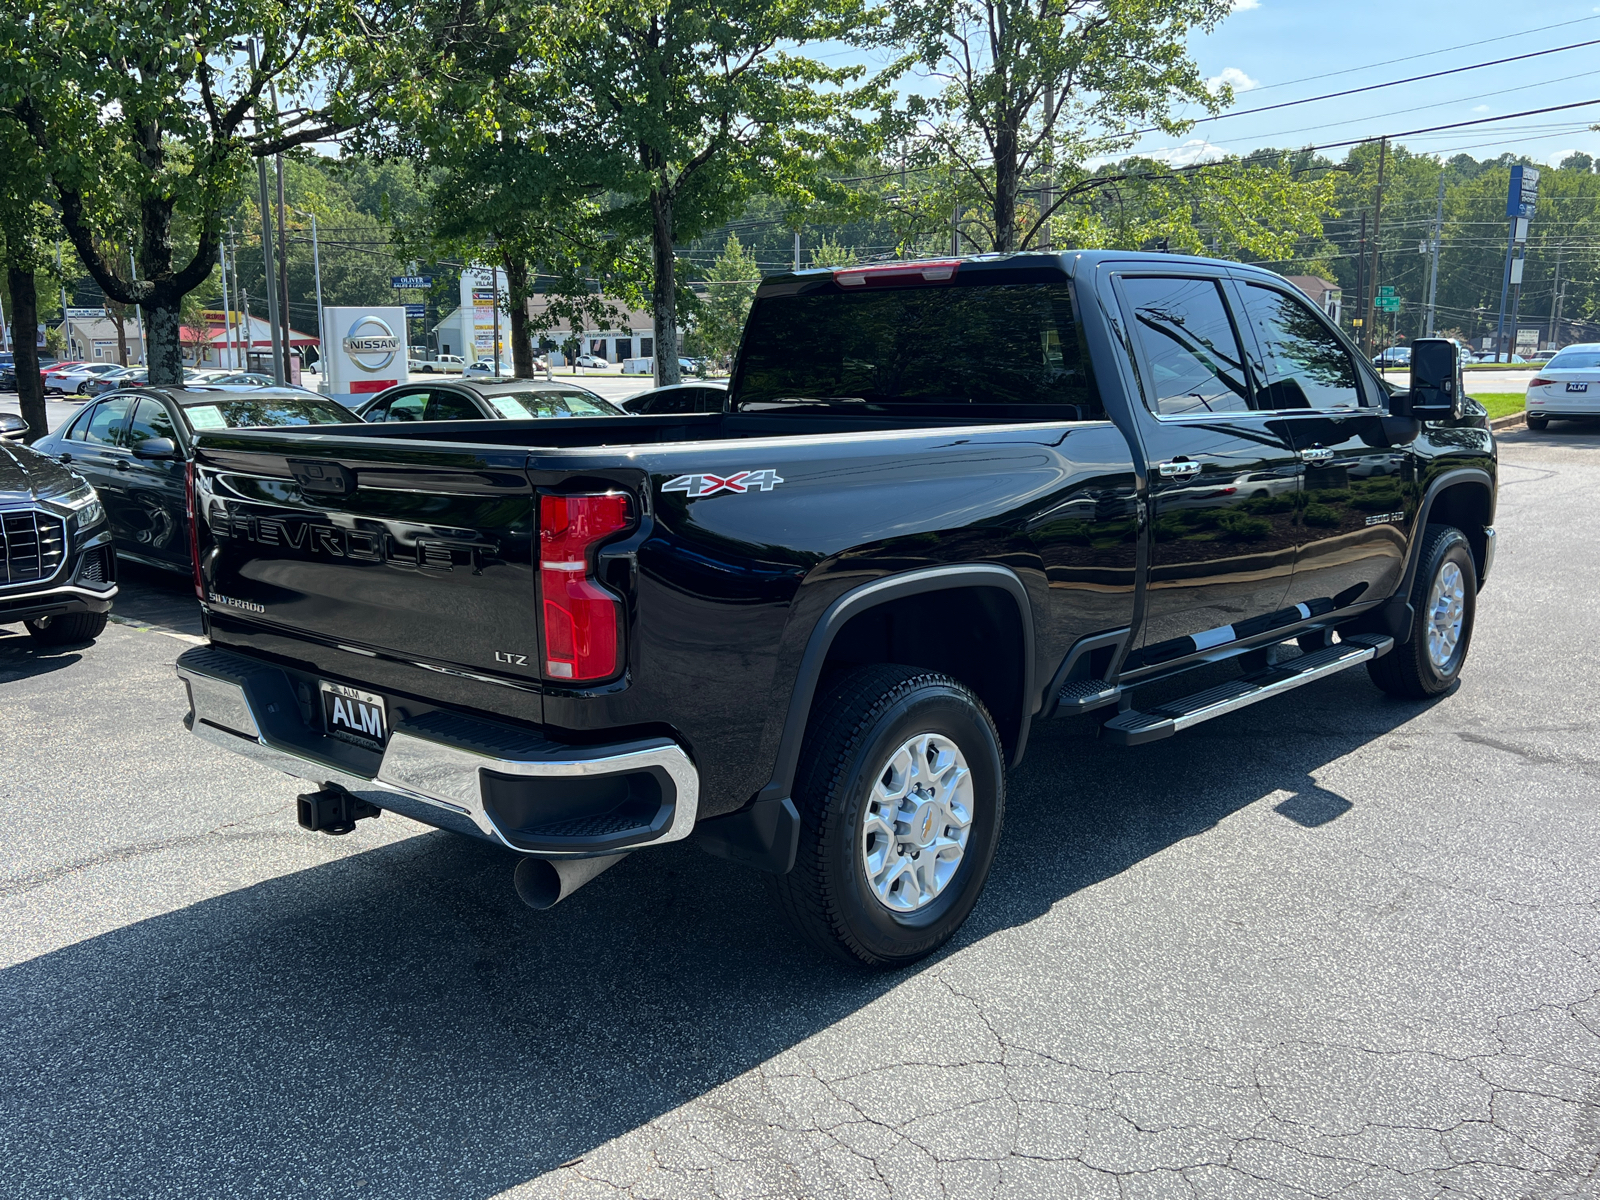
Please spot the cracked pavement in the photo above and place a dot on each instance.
(1332, 945)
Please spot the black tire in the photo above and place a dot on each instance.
(70, 630)
(1409, 670)
(858, 724)
(1537, 424)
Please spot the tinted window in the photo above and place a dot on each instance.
(1575, 360)
(243, 412)
(1189, 344)
(408, 406)
(151, 420)
(1305, 364)
(106, 424)
(449, 406)
(962, 347)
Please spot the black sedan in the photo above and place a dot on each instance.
(481, 400)
(133, 447)
(57, 572)
(678, 398)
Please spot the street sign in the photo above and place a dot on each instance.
(1385, 292)
(1527, 339)
(411, 281)
(416, 311)
(85, 314)
(1388, 304)
(1523, 196)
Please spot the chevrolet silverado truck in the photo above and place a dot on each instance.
(814, 631)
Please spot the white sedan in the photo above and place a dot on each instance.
(69, 382)
(1566, 386)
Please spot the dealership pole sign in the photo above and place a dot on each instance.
(365, 351)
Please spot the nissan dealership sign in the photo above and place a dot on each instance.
(366, 350)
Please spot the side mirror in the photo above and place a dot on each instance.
(12, 427)
(156, 448)
(1436, 391)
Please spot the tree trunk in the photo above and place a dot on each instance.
(517, 303)
(164, 345)
(25, 321)
(1005, 187)
(119, 314)
(664, 296)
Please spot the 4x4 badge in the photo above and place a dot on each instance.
(699, 486)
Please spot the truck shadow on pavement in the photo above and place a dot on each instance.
(394, 1023)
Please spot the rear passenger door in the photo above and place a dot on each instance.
(1223, 476)
(1359, 495)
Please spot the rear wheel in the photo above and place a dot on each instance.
(1444, 602)
(69, 630)
(901, 792)
(1537, 424)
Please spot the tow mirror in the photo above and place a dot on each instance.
(156, 448)
(1436, 391)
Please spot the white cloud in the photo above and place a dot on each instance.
(1480, 108)
(1247, 5)
(1195, 150)
(1555, 159)
(1232, 77)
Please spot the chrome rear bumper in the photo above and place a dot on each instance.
(453, 771)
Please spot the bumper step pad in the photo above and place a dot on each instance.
(1134, 728)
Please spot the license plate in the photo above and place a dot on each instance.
(1577, 387)
(353, 716)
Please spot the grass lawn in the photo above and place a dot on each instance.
(1500, 404)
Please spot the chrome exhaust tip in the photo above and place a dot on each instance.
(545, 882)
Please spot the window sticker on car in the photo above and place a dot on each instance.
(510, 407)
(205, 416)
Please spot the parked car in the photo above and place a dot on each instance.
(485, 368)
(58, 576)
(483, 400)
(241, 379)
(12, 427)
(134, 448)
(702, 397)
(591, 361)
(8, 372)
(123, 377)
(444, 364)
(57, 368)
(1567, 386)
(70, 383)
(816, 629)
(1394, 356)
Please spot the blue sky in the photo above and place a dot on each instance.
(1270, 50)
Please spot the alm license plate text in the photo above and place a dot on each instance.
(353, 716)
(1577, 387)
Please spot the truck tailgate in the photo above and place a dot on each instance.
(421, 552)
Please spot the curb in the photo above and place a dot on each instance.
(147, 627)
(1514, 421)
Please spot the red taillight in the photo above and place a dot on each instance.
(581, 618)
(1537, 382)
(898, 274)
(194, 527)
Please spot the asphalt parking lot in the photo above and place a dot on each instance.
(1333, 944)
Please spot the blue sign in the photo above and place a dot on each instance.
(1524, 194)
(419, 311)
(411, 281)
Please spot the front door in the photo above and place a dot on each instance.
(97, 448)
(155, 506)
(1359, 492)
(1223, 476)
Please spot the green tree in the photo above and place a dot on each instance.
(730, 288)
(26, 227)
(1036, 88)
(148, 106)
(682, 110)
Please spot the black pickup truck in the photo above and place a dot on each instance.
(946, 500)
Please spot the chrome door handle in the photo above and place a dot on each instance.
(1317, 454)
(1178, 470)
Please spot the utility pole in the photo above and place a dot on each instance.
(267, 252)
(1555, 294)
(138, 312)
(494, 278)
(66, 327)
(1377, 230)
(283, 252)
(1433, 274)
(1361, 278)
(796, 249)
(227, 312)
(1047, 193)
(241, 354)
(5, 340)
(316, 263)
(955, 230)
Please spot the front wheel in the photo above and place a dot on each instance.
(1444, 602)
(901, 793)
(73, 629)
